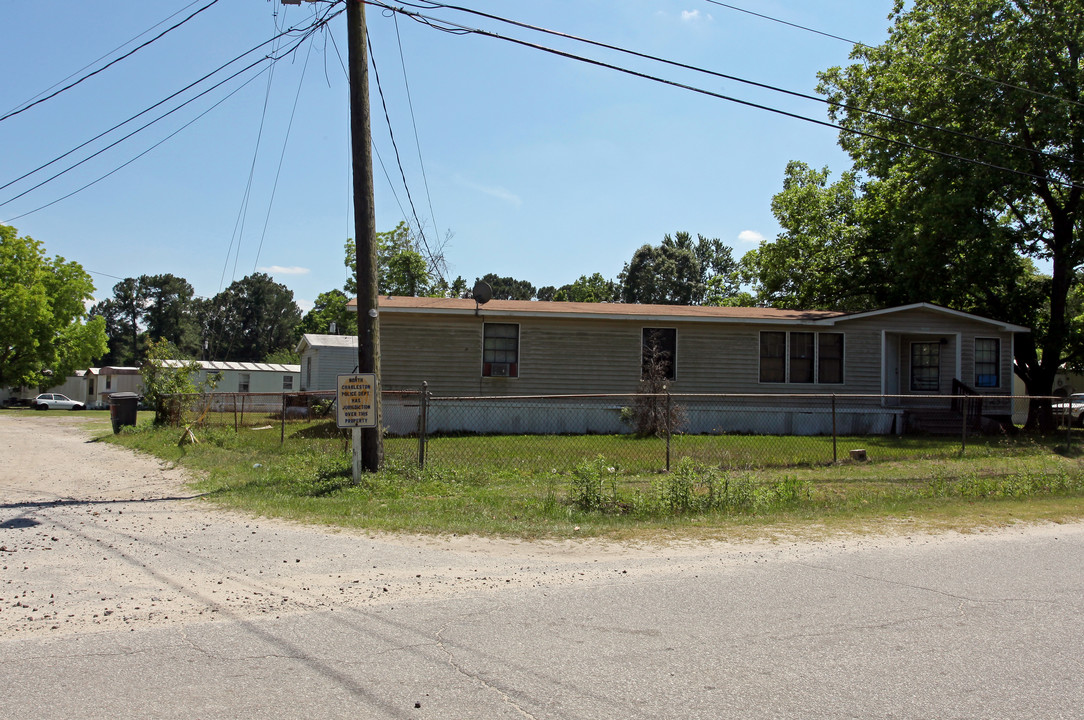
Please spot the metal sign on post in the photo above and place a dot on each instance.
(355, 409)
(354, 403)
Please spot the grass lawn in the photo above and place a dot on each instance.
(577, 486)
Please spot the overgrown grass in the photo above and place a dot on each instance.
(527, 487)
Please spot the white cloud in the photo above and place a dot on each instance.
(695, 16)
(280, 270)
(493, 191)
(304, 305)
(751, 236)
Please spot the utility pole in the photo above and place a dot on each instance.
(365, 260)
(372, 439)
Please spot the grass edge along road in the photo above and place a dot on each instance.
(308, 479)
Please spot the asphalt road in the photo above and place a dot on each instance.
(121, 596)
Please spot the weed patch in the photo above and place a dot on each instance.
(524, 486)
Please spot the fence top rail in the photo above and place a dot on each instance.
(279, 394)
(824, 396)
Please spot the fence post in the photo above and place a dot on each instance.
(667, 391)
(835, 452)
(423, 423)
(282, 431)
(963, 433)
(1069, 426)
(235, 413)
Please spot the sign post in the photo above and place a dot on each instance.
(355, 408)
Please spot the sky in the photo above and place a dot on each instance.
(517, 161)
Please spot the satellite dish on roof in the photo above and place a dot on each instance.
(482, 292)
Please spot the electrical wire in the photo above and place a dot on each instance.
(103, 57)
(271, 59)
(764, 86)
(965, 73)
(129, 162)
(282, 157)
(414, 123)
(108, 65)
(421, 231)
(376, 151)
(459, 29)
(143, 112)
(242, 212)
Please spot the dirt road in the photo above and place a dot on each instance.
(96, 538)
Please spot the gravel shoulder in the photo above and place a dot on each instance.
(94, 538)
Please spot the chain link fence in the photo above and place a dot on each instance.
(642, 433)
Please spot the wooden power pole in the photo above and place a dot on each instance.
(361, 148)
(372, 439)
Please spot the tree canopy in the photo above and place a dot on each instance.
(508, 288)
(967, 125)
(330, 307)
(44, 330)
(147, 309)
(680, 272)
(402, 267)
(249, 320)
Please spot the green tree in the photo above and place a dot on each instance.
(508, 288)
(817, 262)
(402, 267)
(999, 82)
(250, 319)
(593, 289)
(166, 372)
(679, 271)
(167, 311)
(122, 314)
(108, 312)
(455, 289)
(44, 328)
(330, 307)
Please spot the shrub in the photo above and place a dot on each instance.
(586, 482)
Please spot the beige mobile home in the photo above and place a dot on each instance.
(904, 360)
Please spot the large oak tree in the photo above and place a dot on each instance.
(969, 119)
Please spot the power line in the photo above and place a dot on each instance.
(745, 81)
(129, 162)
(459, 29)
(108, 65)
(242, 212)
(966, 73)
(158, 104)
(271, 59)
(282, 157)
(421, 231)
(376, 150)
(414, 123)
(103, 57)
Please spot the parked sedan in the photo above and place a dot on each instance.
(56, 401)
(1071, 410)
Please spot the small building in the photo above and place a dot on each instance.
(324, 357)
(104, 381)
(902, 361)
(246, 377)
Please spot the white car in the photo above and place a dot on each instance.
(1072, 408)
(56, 401)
